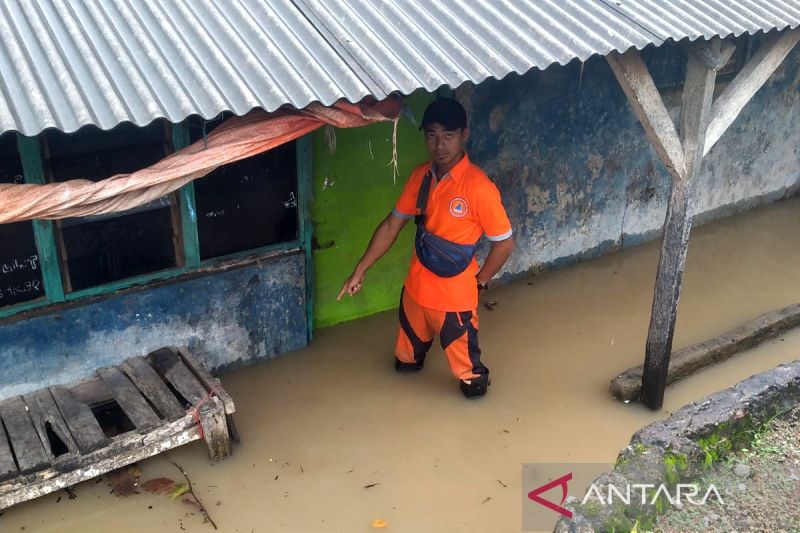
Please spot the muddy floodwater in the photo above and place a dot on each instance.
(321, 424)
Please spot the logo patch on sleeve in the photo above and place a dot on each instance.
(459, 207)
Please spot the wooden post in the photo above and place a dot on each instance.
(644, 98)
(701, 127)
(698, 92)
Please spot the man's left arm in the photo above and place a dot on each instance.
(494, 220)
(498, 255)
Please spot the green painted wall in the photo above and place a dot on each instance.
(353, 191)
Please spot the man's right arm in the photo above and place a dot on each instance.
(382, 239)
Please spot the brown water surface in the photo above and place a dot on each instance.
(321, 423)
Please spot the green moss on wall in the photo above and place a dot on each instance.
(353, 191)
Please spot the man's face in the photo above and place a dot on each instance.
(445, 146)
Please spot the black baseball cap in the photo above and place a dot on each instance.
(447, 112)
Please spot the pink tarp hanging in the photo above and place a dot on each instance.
(237, 138)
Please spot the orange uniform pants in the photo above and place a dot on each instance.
(457, 330)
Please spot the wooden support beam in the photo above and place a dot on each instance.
(747, 82)
(644, 98)
(701, 127)
(715, 54)
(212, 383)
(215, 429)
(209, 407)
(698, 93)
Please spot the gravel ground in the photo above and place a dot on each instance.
(760, 486)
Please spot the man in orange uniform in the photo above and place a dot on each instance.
(455, 204)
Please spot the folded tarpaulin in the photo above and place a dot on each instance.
(235, 139)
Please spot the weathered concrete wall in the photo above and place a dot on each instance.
(227, 318)
(579, 177)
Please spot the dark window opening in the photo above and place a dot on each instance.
(104, 248)
(20, 270)
(118, 248)
(248, 204)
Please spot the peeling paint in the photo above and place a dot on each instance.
(538, 198)
(226, 318)
(579, 177)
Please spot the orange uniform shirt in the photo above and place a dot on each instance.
(462, 207)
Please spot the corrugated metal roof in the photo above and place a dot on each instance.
(679, 19)
(69, 63)
(403, 45)
(406, 45)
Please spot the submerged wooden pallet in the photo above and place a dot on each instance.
(56, 437)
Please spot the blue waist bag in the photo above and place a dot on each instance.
(442, 257)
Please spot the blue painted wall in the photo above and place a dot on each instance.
(579, 177)
(227, 318)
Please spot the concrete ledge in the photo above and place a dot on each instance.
(673, 450)
(627, 385)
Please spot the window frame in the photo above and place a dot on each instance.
(58, 228)
(30, 154)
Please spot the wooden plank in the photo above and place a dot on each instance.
(79, 419)
(206, 379)
(627, 385)
(212, 383)
(129, 398)
(25, 442)
(170, 364)
(8, 467)
(151, 385)
(91, 391)
(698, 92)
(644, 98)
(215, 429)
(715, 53)
(171, 367)
(44, 412)
(747, 82)
(123, 450)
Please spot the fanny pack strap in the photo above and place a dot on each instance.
(422, 198)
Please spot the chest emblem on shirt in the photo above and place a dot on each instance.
(459, 207)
